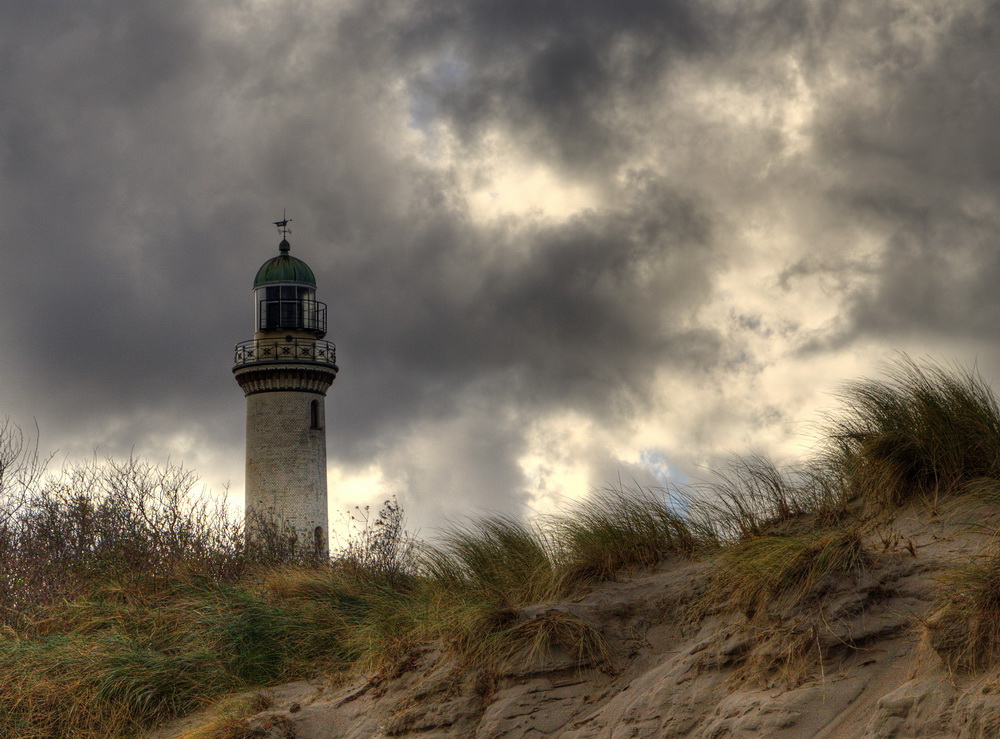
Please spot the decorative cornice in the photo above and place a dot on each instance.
(272, 378)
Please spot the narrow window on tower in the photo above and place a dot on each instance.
(314, 419)
(318, 539)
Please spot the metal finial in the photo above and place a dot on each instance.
(283, 224)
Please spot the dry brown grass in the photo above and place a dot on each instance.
(228, 718)
(760, 573)
(965, 625)
(779, 584)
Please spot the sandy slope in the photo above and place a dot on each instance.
(669, 676)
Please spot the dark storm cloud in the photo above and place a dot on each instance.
(144, 147)
(113, 305)
(916, 158)
(572, 316)
(560, 74)
(146, 142)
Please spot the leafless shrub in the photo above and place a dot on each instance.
(271, 541)
(21, 468)
(381, 546)
(109, 520)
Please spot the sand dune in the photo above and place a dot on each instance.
(849, 661)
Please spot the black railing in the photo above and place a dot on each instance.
(262, 351)
(307, 315)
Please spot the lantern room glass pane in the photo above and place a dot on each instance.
(288, 307)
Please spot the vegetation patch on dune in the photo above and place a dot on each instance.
(765, 571)
(965, 627)
(924, 431)
(620, 528)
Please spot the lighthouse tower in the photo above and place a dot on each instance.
(285, 371)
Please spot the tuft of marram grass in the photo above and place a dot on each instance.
(228, 717)
(769, 579)
(751, 496)
(925, 431)
(779, 654)
(501, 558)
(620, 528)
(474, 580)
(527, 640)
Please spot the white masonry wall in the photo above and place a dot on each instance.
(286, 461)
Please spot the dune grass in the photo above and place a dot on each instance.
(129, 649)
(779, 583)
(121, 659)
(751, 496)
(761, 572)
(925, 431)
(499, 558)
(621, 528)
(965, 625)
(469, 588)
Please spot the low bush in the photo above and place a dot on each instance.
(379, 547)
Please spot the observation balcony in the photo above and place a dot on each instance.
(282, 351)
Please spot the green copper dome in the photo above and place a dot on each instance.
(284, 268)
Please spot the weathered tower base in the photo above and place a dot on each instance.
(286, 449)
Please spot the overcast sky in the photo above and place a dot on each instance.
(562, 241)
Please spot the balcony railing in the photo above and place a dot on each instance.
(265, 351)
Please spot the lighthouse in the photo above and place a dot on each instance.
(285, 371)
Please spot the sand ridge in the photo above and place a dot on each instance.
(857, 665)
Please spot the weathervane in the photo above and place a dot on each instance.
(283, 224)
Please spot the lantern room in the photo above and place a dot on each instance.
(285, 296)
